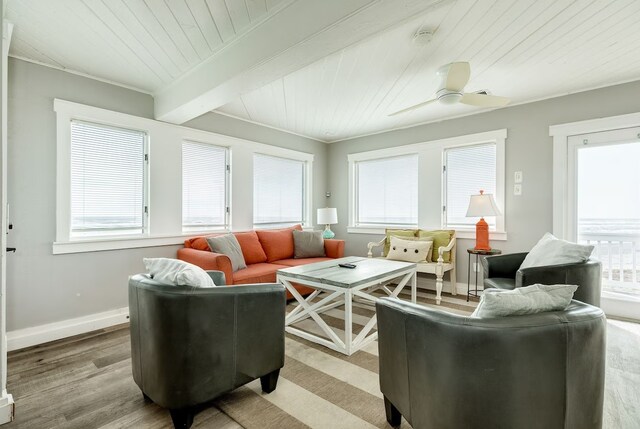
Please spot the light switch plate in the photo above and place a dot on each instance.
(517, 177)
(517, 189)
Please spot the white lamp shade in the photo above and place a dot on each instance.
(327, 216)
(482, 205)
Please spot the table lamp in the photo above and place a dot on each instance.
(328, 216)
(482, 205)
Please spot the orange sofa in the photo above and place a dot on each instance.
(264, 251)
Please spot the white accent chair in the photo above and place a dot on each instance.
(437, 268)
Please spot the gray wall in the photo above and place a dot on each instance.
(42, 287)
(528, 149)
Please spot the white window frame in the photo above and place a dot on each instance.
(307, 203)
(354, 213)
(430, 176)
(227, 192)
(145, 186)
(499, 195)
(165, 178)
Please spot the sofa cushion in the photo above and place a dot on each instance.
(277, 243)
(441, 238)
(308, 244)
(251, 249)
(227, 244)
(257, 273)
(301, 261)
(402, 233)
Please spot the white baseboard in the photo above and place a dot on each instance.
(7, 408)
(28, 337)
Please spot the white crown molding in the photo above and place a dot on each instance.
(78, 73)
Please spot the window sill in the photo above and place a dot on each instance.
(120, 243)
(460, 233)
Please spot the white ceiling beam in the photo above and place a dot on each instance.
(303, 32)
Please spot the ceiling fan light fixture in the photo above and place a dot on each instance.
(449, 97)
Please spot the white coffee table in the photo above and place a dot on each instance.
(341, 286)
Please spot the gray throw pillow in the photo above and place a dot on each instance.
(308, 244)
(228, 245)
(532, 299)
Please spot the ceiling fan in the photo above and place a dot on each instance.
(454, 77)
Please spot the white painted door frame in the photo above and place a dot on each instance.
(7, 406)
(564, 192)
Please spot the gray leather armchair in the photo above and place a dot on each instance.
(190, 345)
(445, 371)
(503, 272)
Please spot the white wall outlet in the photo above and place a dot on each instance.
(517, 177)
(517, 189)
(476, 267)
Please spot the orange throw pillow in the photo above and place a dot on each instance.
(278, 243)
(198, 243)
(251, 248)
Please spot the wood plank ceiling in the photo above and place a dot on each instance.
(144, 44)
(525, 50)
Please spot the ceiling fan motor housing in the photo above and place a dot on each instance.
(446, 96)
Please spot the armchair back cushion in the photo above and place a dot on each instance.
(277, 243)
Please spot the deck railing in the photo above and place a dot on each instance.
(618, 254)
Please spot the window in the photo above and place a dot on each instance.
(468, 169)
(279, 197)
(204, 187)
(387, 191)
(108, 171)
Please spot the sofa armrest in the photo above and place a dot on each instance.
(504, 266)
(334, 248)
(208, 261)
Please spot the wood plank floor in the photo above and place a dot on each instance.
(85, 382)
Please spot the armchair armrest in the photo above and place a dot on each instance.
(505, 266)
(208, 261)
(587, 275)
(373, 244)
(217, 277)
(334, 248)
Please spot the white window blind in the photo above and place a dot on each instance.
(204, 186)
(107, 180)
(387, 191)
(278, 191)
(468, 170)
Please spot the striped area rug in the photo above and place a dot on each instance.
(320, 388)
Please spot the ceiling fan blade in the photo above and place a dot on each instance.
(457, 76)
(483, 100)
(417, 106)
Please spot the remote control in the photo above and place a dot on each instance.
(347, 265)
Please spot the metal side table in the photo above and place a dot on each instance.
(478, 253)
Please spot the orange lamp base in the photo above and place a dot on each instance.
(482, 235)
